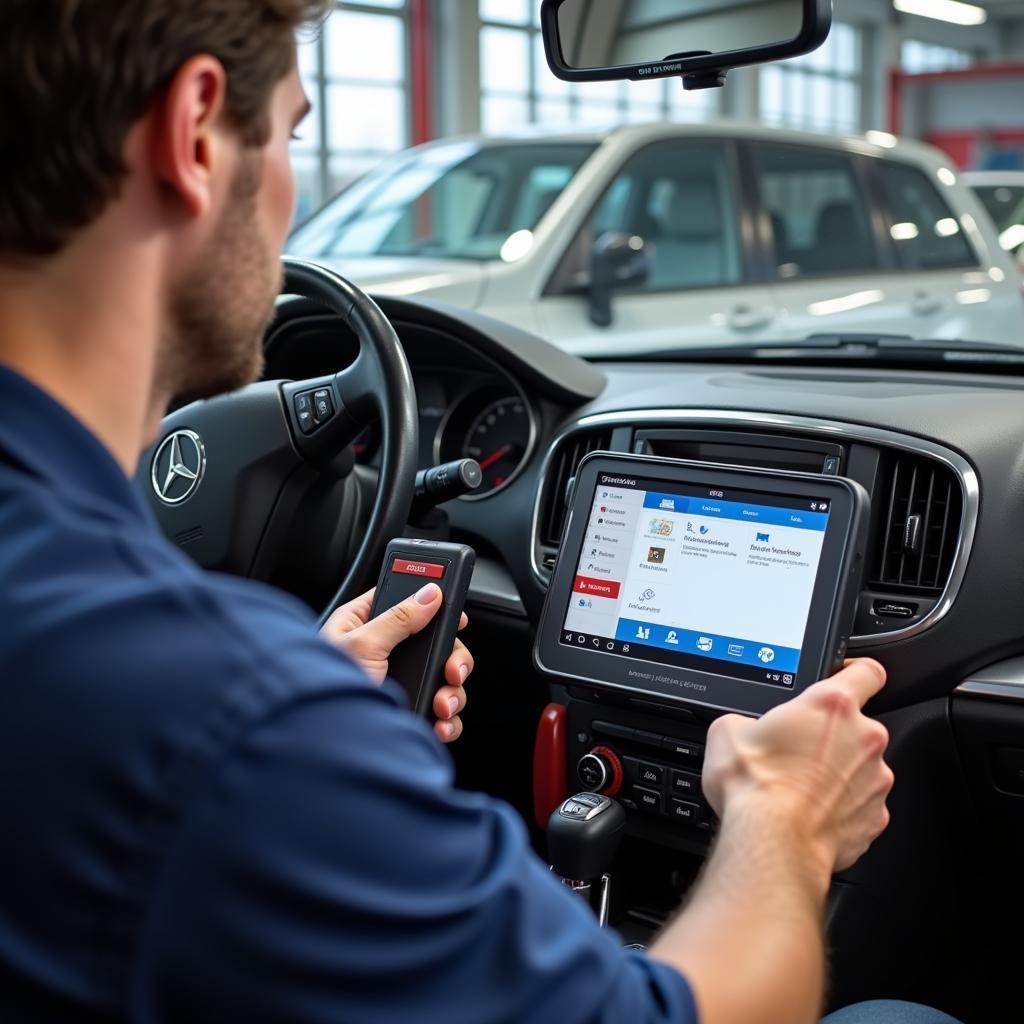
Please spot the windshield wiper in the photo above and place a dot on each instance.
(854, 348)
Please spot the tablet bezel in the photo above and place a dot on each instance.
(833, 601)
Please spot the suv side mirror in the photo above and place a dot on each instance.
(617, 261)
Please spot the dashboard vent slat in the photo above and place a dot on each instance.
(918, 536)
(567, 458)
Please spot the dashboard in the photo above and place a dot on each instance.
(941, 455)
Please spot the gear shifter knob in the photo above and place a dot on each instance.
(584, 834)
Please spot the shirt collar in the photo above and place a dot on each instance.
(39, 434)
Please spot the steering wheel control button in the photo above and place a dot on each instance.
(648, 799)
(323, 406)
(685, 783)
(304, 413)
(684, 811)
(430, 570)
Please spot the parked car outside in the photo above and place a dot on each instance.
(1002, 194)
(659, 236)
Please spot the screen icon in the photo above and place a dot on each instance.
(669, 504)
(788, 680)
(736, 650)
(766, 654)
(581, 639)
(596, 642)
(625, 648)
(705, 643)
(705, 530)
(610, 645)
(648, 595)
(672, 638)
(763, 538)
(775, 677)
(568, 638)
(656, 555)
(643, 632)
(660, 527)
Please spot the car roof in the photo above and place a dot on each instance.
(872, 143)
(994, 178)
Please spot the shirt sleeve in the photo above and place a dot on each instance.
(331, 872)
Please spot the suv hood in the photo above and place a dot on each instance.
(460, 282)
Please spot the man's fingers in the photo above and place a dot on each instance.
(449, 701)
(448, 732)
(459, 665)
(862, 678)
(400, 622)
(463, 621)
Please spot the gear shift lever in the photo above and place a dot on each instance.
(583, 837)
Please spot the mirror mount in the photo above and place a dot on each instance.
(578, 50)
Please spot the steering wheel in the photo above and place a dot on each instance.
(230, 478)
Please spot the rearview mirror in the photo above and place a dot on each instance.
(699, 40)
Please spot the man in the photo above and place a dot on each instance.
(211, 813)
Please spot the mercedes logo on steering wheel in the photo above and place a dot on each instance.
(178, 467)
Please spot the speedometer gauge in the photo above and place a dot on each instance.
(498, 439)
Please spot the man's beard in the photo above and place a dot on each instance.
(222, 304)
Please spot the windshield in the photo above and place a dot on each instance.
(1005, 204)
(458, 201)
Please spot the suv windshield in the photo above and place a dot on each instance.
(458, 201)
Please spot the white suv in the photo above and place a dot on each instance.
(662, 236)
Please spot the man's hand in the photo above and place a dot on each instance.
(371, 641)
(816, 761)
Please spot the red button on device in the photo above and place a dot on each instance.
(599, 588)
(429, 569)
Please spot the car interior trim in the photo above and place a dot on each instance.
(803, 426)
(493, 587)
(1003, 680)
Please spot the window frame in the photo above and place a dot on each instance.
(558, 284)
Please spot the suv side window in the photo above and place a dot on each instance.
(679, 198)
(818, 211)
(926, 234)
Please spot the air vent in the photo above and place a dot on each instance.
(561, 469)
(921, 503)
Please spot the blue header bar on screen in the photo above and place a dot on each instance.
(765, 515)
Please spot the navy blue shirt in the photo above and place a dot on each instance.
(209, 814)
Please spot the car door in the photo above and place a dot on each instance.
(950, 295)
(830, 274)
(677, 200)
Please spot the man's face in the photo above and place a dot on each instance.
(221, 304)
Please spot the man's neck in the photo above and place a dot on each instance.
(86, 331)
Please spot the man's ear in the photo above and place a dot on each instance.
(187, 143)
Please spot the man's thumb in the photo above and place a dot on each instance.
(402, 620)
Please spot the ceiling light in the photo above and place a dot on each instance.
(944, 10)
(946, 228)
(946, 176)
(517, 245)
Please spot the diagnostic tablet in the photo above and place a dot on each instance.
(714, 585)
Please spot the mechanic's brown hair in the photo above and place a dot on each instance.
(76, 75)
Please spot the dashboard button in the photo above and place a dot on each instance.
(650, 774)
(684, 748)
(684, 811)
(647, 799)
(685, 783)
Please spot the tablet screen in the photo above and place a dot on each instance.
(699, 577)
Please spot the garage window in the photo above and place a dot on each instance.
(926, 234)
(818, 212)
(679, 198)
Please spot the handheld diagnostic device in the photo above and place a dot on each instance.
(418, 662)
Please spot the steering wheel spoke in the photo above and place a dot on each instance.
(259, 452)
